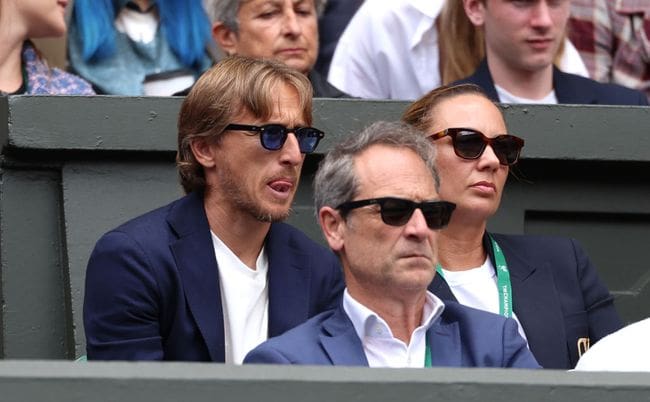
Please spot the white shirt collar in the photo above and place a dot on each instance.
(430, 9)
(367, 323)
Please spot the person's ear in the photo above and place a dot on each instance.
(203, 152)
(475, 11)
(225, 38)
(333, 226)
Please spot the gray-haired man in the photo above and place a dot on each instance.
(379, 209)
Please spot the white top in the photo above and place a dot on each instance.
(379, 345)
(139, 26)
(625, 350)
(477, 287)
(507, 97)
(244, 300)
(389, 50)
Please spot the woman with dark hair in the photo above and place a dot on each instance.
(137, 47)
(22, 69)
(545, 283)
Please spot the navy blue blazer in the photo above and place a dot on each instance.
(152, 286)
(460, 337)
(569, 88)
(556, 294)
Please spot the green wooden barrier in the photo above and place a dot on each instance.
(75, 167)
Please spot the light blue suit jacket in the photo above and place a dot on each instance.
(460, 337)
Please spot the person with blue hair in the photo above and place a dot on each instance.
(138, 47)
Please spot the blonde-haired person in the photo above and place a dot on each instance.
(547, 284)
(403, 49)
(22, 69)
(213, 274)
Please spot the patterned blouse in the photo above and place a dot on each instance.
(43, 80)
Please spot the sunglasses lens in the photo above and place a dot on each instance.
(437, 214)
(507, 149)
(273, 137)
(308, 139)
(469, 144)
(396, 212)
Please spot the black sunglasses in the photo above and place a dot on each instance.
(470, 144)
(398, 211)
(273, 136)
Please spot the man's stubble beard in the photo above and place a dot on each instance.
(243, 202)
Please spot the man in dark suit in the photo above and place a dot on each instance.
(377, 197)
(213, 274)
(522, 39)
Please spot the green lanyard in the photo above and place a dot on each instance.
(503, 280)
(503, 285)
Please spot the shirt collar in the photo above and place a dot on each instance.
(365, 320)
(430, 9)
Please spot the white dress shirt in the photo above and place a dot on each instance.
(389, 50)
(382, 349)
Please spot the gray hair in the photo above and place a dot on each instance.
(226, 11)
(336, 181)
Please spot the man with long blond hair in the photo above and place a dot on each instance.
(213, 274)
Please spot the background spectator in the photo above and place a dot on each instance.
(613, 37)
(22, 69)
(116, 44)
(521, 41)
(284, 30)
(403, 49)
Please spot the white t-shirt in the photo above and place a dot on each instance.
(379, 345)
(389, 50)
(507, 97)
(477, 288)
(625, 350)
(244, 300)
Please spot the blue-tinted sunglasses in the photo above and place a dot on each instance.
(273, 136)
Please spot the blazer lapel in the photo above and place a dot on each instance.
(197, 267)
(341, 342)
(483, 78)
(568, 89)
(443, 339)
(440, 288)
(289, 278)
(535, 301)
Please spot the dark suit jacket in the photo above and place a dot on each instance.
(569, 88)
(556, 294)
(331, 24)
(152, 286)
(460, 337)
(322, 88)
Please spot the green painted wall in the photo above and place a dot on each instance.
(74, 167)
